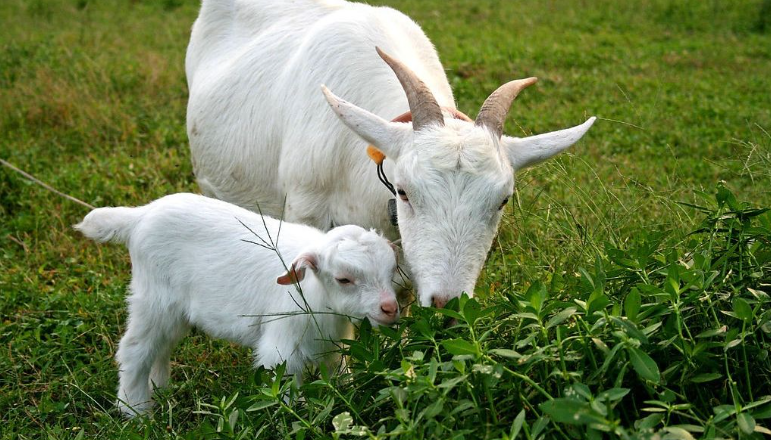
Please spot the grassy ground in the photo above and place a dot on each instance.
(92, 100)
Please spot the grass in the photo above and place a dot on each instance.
(626, 294)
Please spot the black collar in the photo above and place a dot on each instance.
(391, 202)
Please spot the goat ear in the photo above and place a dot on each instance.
(396, 250)
(388, 137)
(525, 152)
(296, 272)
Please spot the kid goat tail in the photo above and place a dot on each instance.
(110, 224)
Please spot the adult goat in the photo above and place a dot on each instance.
(262, 135)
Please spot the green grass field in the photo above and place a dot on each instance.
(627, 294)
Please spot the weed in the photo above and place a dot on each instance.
(654, 339)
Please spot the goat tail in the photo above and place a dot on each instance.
(110, 224)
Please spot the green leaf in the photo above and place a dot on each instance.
(713, 332)
(706, 377)
(361, 353)
(759, 295)
(557, 282)
(539, 426)
(725, 196)
(472, 311)
(536, 295)
(561, 317)
(690, 428)
(600, 408)
(276, 386)
(762, 413)
(649, 422)
(324, 413)
(233, 419)
(342, 421)
(483, 369)
(231, 401)
(586, 277)
(517, 425)
(613, 394)
(460, 347)
(758, 428)
(433, 368)
(644, 365)
(608, 359)
(448, 312)
(434, 409)
(570, 411)
(597, 301)
(630, 328)
(762, 401)
(601, 345)
(672, 285)
(632, 304)
(451, 383)
(504, 352)
(526, 315)
(582, 390)
(722, 412)
(742, 309)
(674, 432)
(746, 423)
(731, 344)
(261, 404)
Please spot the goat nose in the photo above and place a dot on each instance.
(389, 308)
(439, 301)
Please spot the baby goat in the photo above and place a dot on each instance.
(202, 262)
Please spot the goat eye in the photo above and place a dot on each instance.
(402, 195)
(343, 280)
(505, 201)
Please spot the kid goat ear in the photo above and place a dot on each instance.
(296, 271)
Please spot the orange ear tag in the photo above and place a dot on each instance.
(376, 155)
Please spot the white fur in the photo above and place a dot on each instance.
(260, 130)
(191, 266)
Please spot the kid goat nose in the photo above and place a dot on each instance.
(439, 301)
(389, 307)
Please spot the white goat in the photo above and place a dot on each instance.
(206, 263)
(260, 130)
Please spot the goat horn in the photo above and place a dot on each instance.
(425, 110)
(496, 106)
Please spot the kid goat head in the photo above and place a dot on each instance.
(453, 177)
(356, 267)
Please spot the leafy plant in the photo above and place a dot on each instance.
(653, 340)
